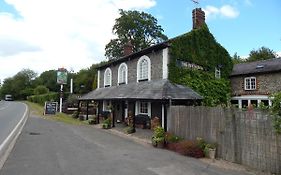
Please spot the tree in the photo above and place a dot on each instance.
(236, 59)
(41, 89)
(139, 28)
(48, 79)
(20, 85)
(262, 53)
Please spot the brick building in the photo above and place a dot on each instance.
(254, 82)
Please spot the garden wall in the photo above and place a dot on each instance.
(244, 137)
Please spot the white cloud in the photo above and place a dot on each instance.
(51, 33)
(278, 54)
(226, 11)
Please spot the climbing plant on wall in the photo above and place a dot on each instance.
(200, 47)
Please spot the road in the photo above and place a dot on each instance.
(10, 114)
(46, 147)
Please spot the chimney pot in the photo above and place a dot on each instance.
(128, 48)
(198, 18)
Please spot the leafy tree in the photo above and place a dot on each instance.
(140, 28)
(262, 53)
(20, 85)
(49, 80)
(236, 59)
(41, 89)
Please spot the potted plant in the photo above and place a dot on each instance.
(210, 150)
(158, 138)
(106, 123)
(93, 120)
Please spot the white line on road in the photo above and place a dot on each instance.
(10, 140)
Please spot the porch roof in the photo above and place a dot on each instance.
(149, 90)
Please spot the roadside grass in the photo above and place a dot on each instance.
(60, 117)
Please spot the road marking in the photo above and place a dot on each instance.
(10, 140)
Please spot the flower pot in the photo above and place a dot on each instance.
(212, 153)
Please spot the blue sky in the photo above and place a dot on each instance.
(48, 34)
(257, 23)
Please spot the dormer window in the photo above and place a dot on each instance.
(122, 74)
(250, 83)
(143, 69)
(107, 77)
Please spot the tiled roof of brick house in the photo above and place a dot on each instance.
(257, 67)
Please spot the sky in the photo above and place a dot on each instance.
(46, 35)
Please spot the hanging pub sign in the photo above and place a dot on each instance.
(62, 76)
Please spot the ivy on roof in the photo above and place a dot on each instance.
(201, 48)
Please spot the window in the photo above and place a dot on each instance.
(106, 105)
(143, 69)
(143, 108)
(250, 83)
(107, 77)
(122, 74)
(218, 73)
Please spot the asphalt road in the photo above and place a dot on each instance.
(10, 114)
(52, 148)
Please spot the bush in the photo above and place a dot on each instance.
(41, 89)
(75, 114)
(159, 132)
(171, 138)
(106, 124)
(188, 148)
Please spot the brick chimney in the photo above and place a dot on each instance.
(128, 48)
(198, 18)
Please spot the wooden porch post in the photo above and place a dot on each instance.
(113, 113)
(87, 110)
(98, 114)
(78, 110)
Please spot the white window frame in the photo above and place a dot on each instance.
(106, 84)
(138, 108)
(139, 73)
(217, 73)
(106, 105)
(250, 86)
(120, 74)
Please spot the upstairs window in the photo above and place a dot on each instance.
(143, 69)
(122, 74)
(250, 83)
(218, 73)
(107, 77)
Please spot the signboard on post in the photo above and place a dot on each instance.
(62, 76)
(50, 108)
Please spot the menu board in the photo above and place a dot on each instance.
(50, 108)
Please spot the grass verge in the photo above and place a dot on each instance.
(38, 110)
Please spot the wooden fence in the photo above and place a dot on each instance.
(244, 137)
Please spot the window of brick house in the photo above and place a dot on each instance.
(107, 77)
(250, 83)
(122, 74)
(143, 69)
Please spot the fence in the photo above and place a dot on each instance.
(244, 137)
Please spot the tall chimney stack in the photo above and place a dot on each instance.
(198, 18)
(128, 48)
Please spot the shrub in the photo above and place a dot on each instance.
(159, 132)
(171, 138)
(189, 148)
(75, 114)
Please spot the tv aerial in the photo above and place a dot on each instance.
(195, 2)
